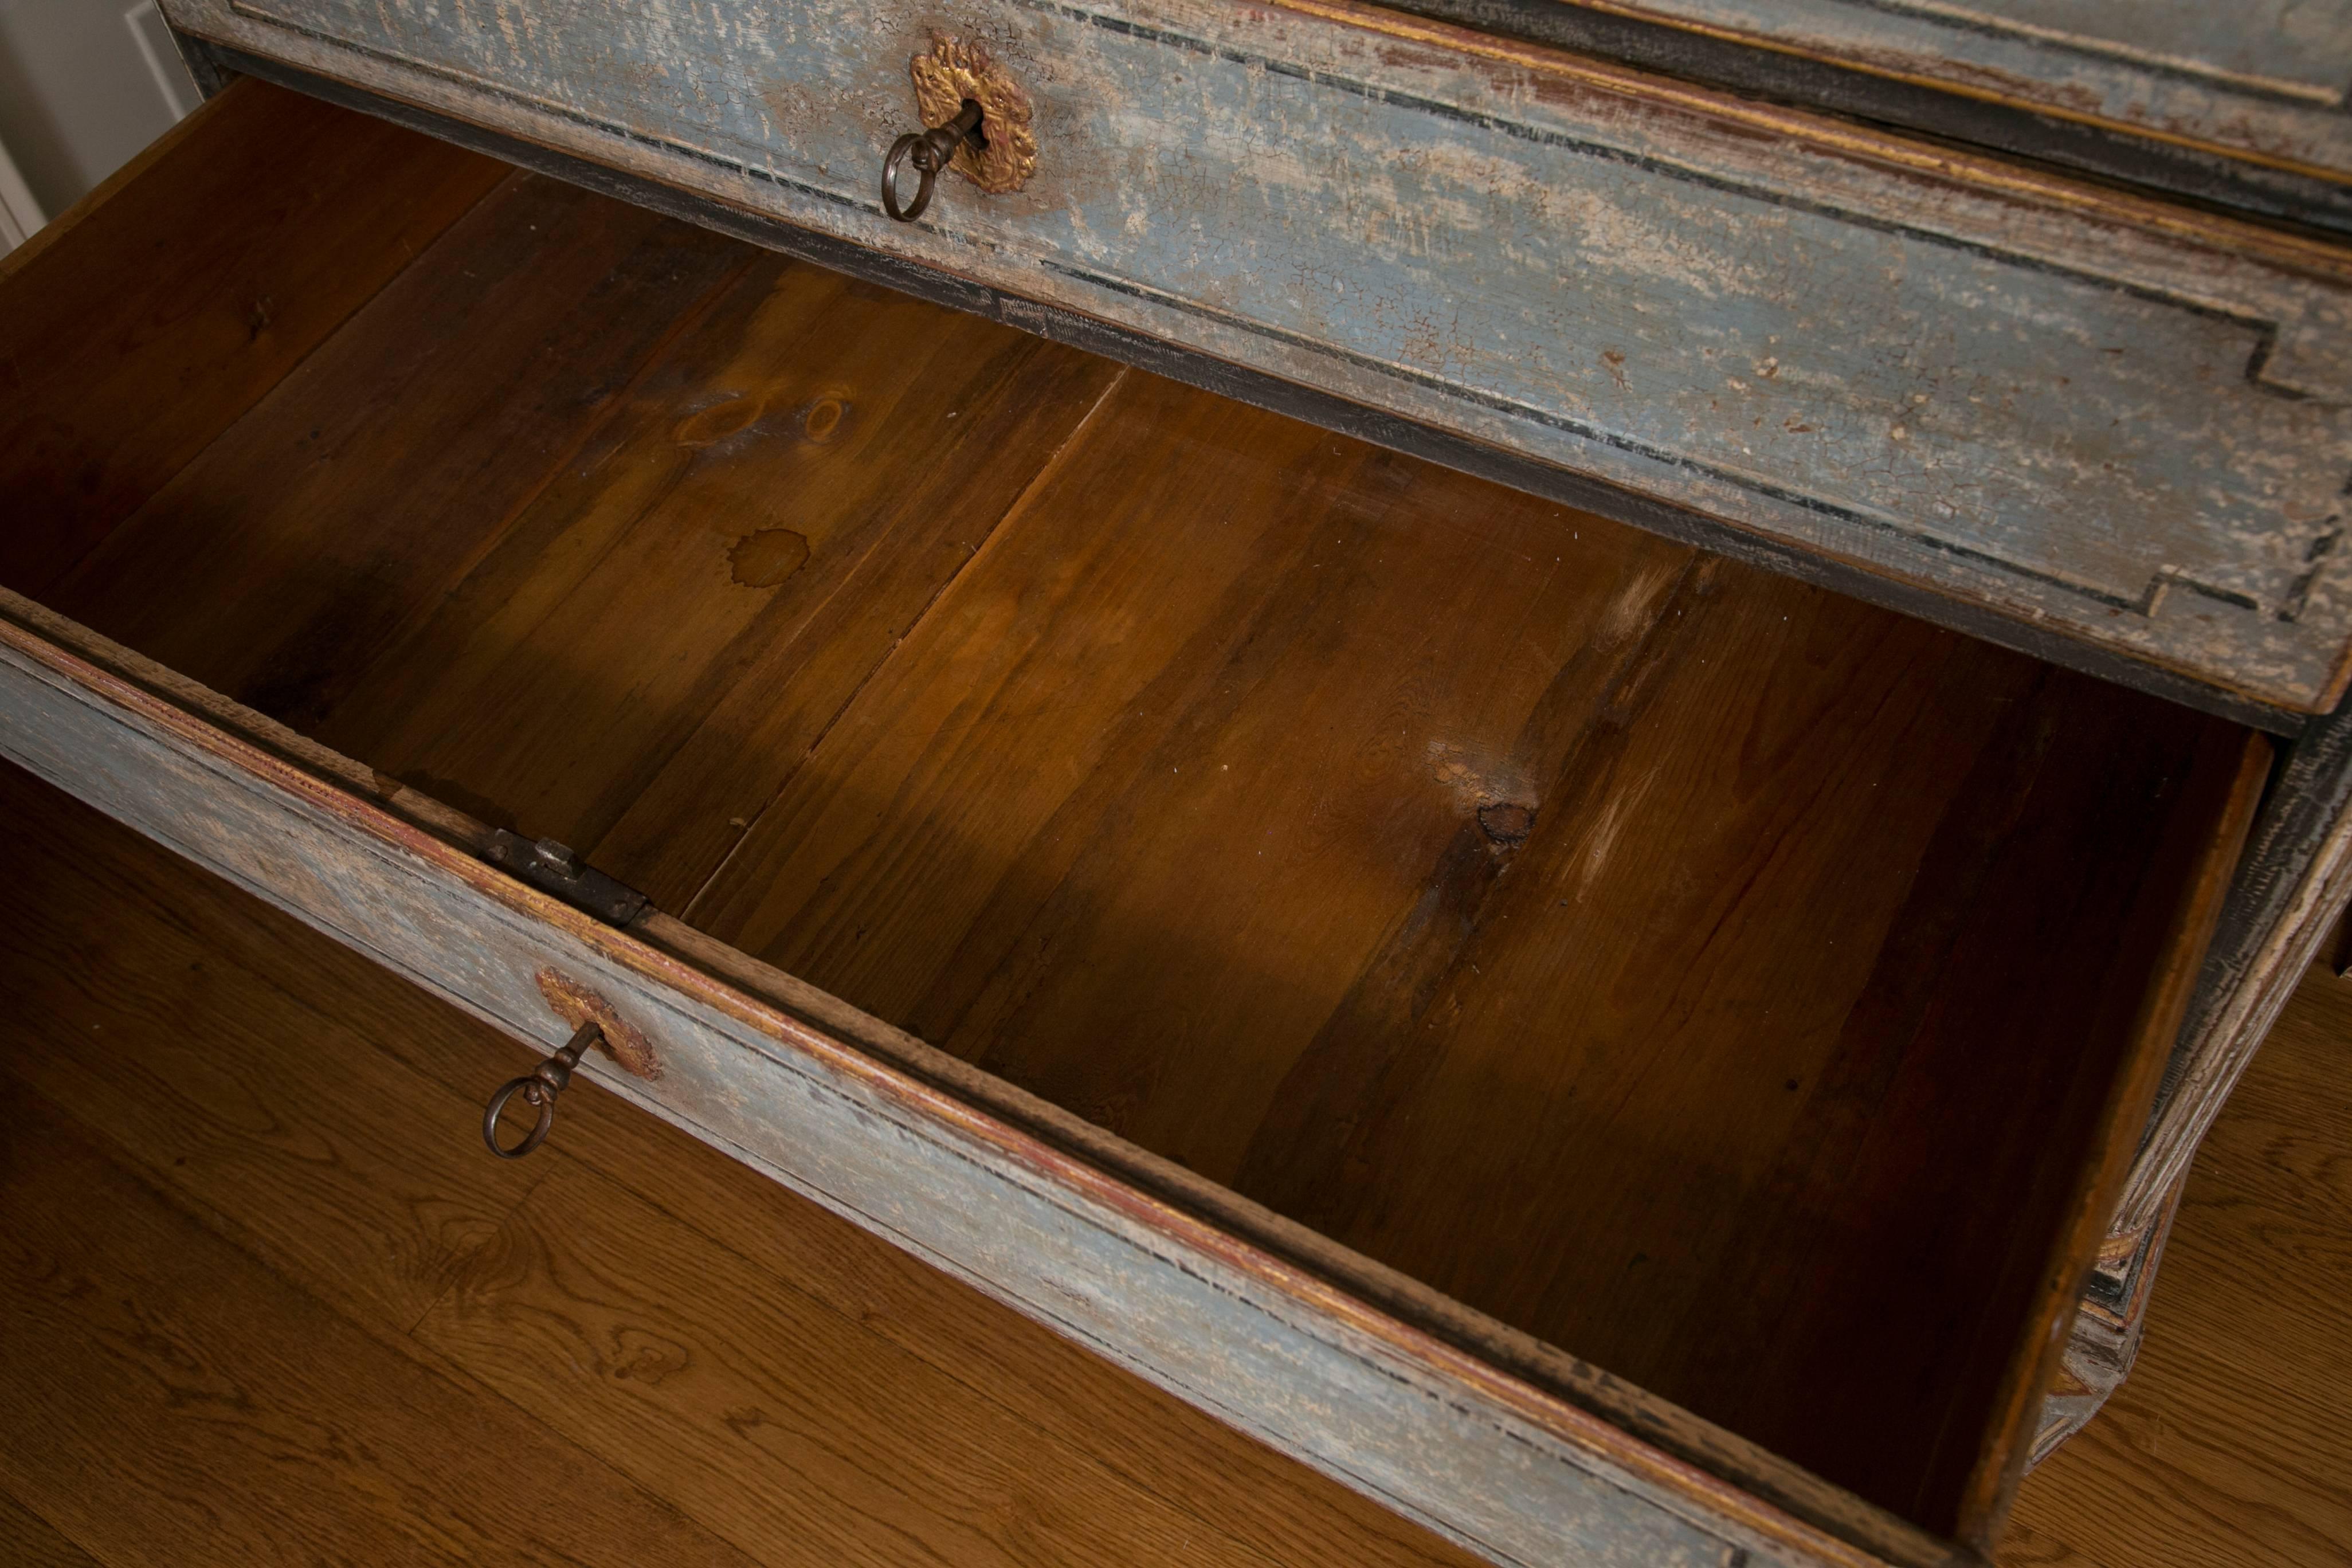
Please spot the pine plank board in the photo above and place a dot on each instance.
(752, 474)
(138, 326)
(1335, 829)
(771, 505)
(365, 484)
(1207, 637)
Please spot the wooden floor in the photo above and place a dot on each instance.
(2231, 1445)
(263, 1299)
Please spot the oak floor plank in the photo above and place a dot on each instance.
(228, 1052)
(618, 1326)
(141, 323)
(271, 1430)
(2230, 1444)
(215, 1039)
(28, 1541)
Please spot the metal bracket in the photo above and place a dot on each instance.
(553, 869)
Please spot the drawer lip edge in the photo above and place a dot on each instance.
(1777, 1504)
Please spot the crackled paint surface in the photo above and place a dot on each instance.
(2131, 430)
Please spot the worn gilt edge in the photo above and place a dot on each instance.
(2138, 130)
(2019, 182)
(1607, 1448)
(955, 71)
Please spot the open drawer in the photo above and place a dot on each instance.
(1620, 1056)
(2104, 430)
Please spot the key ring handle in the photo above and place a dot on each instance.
(930, 152)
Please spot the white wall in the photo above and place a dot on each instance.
(84, 84)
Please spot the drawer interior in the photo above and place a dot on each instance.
(1731, 985)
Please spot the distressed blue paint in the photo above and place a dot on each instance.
(2137, 439)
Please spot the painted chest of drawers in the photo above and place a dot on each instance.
(1566, 787)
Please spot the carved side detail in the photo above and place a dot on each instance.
(2295, 879)
(2105, 1340)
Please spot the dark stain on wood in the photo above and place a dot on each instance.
(1506, 822)
(765, 558)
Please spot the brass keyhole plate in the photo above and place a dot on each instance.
(951, 72)
(577, 1006)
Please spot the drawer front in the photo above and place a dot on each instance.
(2263, 79)
(1510, 1472)
(2118, 421)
